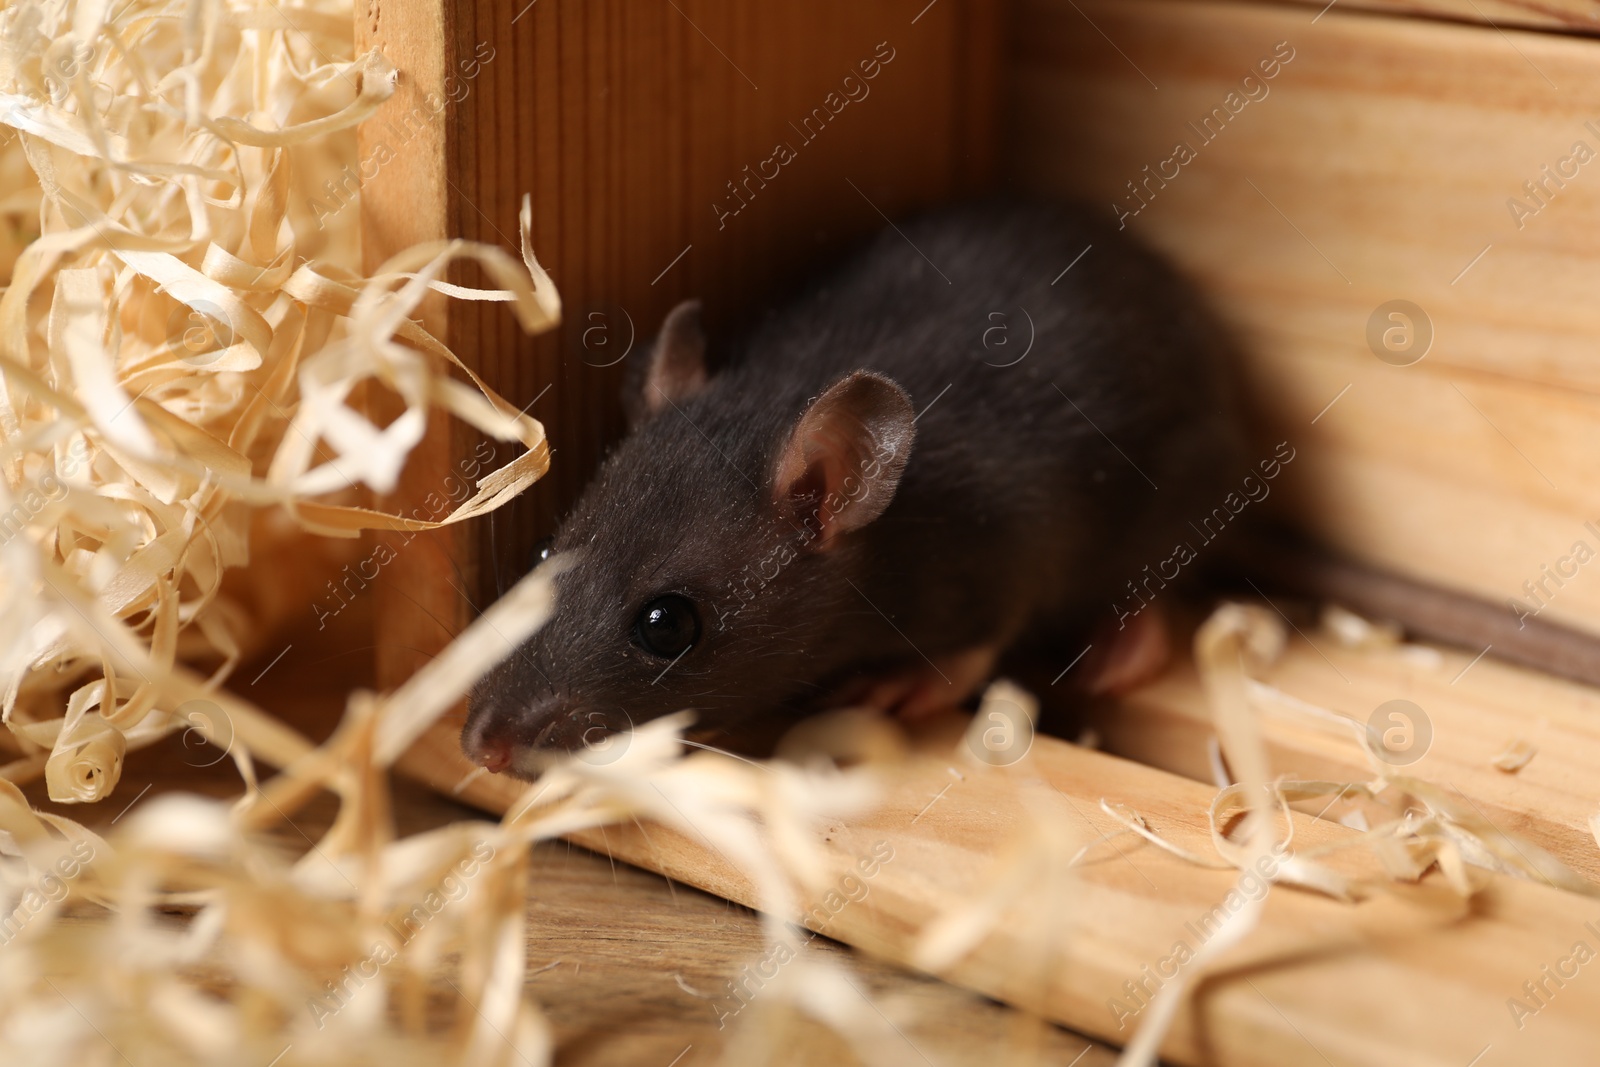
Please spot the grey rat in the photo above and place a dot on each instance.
(951, 449)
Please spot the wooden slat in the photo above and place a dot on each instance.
(1377, 168)
(607, 945)
(1572, 16)
(405, 202)
(1408, 977)
(1321, 976)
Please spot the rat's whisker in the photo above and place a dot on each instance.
(725, 752)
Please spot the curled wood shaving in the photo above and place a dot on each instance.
(1233, 641)
(1357, 631)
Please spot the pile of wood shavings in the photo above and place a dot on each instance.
(368, 948)
(1419, 827)
(183, 341)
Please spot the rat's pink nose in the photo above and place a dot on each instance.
(495, 755)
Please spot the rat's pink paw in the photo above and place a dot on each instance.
(1125, 659)
(920, 692)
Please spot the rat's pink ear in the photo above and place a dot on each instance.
(675, 368)
(839, 469)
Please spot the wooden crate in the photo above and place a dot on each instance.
(1337, 158)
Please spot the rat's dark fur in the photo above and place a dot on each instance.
(1025, 508)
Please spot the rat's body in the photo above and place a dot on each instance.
(1025, 441)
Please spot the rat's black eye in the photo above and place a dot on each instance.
(668, 626)
(542, 549)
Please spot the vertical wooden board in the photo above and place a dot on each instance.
(405, 201)
(628, 123)
(1376, 165)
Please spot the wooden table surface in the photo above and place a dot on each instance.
(611, 948)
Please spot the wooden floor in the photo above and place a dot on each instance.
(614, 951)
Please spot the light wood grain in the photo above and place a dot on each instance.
(1573, 16)
(405, 202)
(1404, 977)
(1378, 167)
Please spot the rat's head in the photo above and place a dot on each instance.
(706, 564)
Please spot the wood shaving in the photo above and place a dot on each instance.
(1515, 756)
(1358, 632)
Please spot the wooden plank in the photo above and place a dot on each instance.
(404, 202)
(1572, 16)
(1376, 165)
(624, 948)
(1318, 982)
(1447, 481)
(1427, 613)
(1465, 711)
